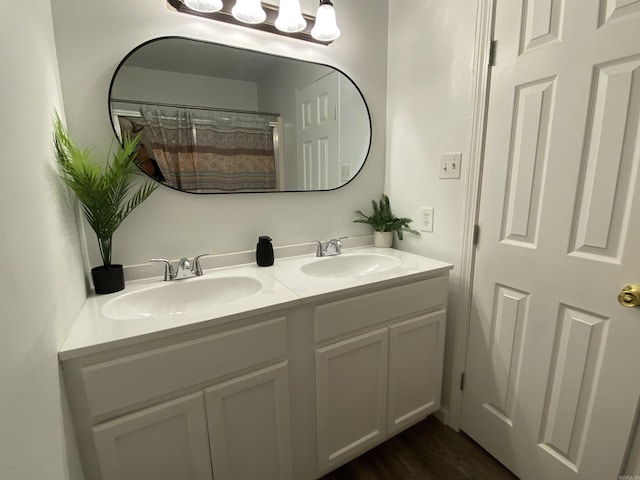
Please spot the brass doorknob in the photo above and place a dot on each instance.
(630, 296)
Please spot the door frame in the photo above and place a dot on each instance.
(485, 15)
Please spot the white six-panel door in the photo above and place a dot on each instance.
(317, 134)
(553, 366)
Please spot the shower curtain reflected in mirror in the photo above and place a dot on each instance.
(204, 151)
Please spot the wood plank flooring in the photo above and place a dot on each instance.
(426, 451)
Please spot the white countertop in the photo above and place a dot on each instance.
(283, 284)
(303, 286)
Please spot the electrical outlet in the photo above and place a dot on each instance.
(426, 219)
(450, 165)
(345, 172)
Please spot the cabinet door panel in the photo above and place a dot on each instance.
(351, 381)
(164, 442)
(249, 426)
(416, 349)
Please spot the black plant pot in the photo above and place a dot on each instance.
(108, 279)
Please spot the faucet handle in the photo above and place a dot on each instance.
(319, 249)
(333, 247)
(339, 241)
(196, 268)
(169, 273)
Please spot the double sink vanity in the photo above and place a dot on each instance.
(284, 372)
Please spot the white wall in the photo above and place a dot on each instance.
(429, 107)
(41, 272)
(354, 124)
(92, 36)
(145, 84)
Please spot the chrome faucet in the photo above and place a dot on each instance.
(329, 248)
(185, 268)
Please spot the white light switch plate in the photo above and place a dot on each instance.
(450, 165)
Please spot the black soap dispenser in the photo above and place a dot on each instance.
(264, 251)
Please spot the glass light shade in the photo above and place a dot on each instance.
(290, 17)
(205, 6)
(326, 29)
(248, 11)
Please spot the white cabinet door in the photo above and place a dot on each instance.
(249, 426)
(416, 349)
(351, 393)
(164, 442)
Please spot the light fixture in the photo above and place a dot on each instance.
(286, 20)
(290, 17)
(205, 6)
(326, 29)
(249, 11)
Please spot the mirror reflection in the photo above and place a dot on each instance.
(217, 119)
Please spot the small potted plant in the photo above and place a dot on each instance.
(106, 192)
(384, 223)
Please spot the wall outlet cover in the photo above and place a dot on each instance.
(426, 219)
(345, 172)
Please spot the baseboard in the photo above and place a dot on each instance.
(442, 415)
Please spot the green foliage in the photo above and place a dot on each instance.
(106, 192)
(383, 220)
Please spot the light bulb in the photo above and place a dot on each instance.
(205, 6)
(249, 11)
(326, 29)
(290, 17)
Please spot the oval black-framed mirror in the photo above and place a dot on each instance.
(220, 119)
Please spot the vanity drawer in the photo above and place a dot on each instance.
(337, 318)
(121, 383)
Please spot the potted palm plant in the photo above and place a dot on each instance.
(384, 223)
(106, 192)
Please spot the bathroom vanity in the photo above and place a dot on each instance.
(330, 357)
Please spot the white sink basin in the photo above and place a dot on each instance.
(180, 297)
(350, 265)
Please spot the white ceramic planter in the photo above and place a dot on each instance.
(383, 239)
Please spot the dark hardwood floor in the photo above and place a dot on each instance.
(426, 451)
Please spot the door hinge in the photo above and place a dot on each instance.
(492, 53)
(462, 377)
(476, 234)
